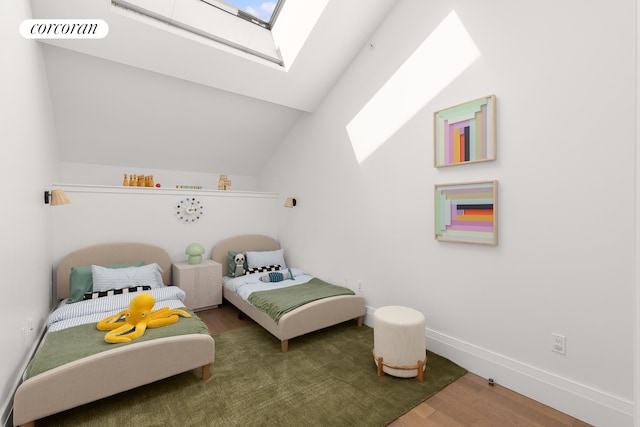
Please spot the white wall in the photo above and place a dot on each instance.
(637, 233)
(83, 173)
(563, 74)
(100, 215)
(28, 152)
(102, 210)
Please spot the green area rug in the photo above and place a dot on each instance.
(328, 378)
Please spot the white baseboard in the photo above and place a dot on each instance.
(582, 402)
(7, 405)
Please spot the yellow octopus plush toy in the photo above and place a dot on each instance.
(131, 323)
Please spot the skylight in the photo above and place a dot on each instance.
(260, 12)
(235, 30)
(216, 20)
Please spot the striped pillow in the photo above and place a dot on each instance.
(263, 269)
(110, 292)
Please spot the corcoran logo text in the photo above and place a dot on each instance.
(64, 28)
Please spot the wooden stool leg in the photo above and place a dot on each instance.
(420, 372)
(380, 371)
(206, 369)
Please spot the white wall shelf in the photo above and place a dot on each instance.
(91, 188)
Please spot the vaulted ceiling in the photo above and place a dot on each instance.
(152, 96)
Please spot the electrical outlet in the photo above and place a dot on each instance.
(559, 343)
(360, 286)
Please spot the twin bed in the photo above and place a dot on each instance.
(309, 317)
(65, 384)
(120, 367)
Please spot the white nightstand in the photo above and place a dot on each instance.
(202, 283)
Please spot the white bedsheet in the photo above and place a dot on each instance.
(94, 310)
(249, 283)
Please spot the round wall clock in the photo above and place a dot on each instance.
(189, 210)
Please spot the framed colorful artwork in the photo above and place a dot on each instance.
(465, 133)
(467, 212)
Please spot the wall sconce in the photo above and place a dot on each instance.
(56, 197)
(290, 202)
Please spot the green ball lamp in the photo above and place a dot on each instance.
(195, 251)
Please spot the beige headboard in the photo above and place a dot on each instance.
(110, 253)
(242, 243)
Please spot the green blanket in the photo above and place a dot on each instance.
(277, 302)
(74, 343)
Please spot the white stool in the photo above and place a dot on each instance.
(399, 342)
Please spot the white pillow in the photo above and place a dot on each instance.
(105, 279)
(262, 258)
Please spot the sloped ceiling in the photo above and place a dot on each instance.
(150, 98)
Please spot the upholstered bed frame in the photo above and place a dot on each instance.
(110, 253)
(310, 317)
(113, 371)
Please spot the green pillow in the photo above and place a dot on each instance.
(81, 280)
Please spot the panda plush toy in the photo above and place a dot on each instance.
(239, 270)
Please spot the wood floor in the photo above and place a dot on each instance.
(468, 402)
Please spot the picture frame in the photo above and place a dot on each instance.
(465, 133)
(466, 212)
